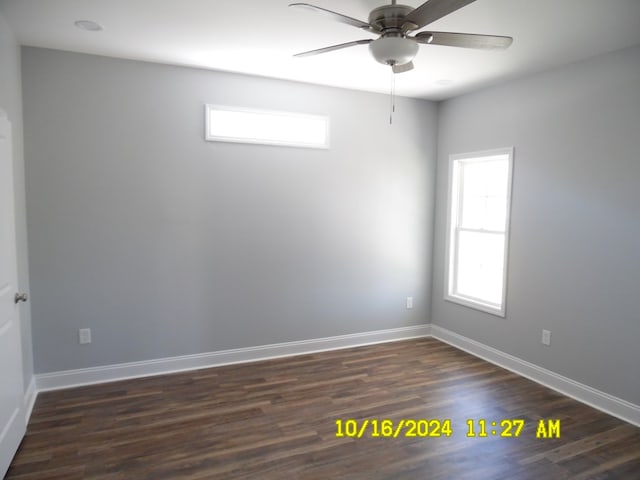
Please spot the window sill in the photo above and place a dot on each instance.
(476, 305)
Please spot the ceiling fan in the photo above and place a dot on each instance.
(394, 23)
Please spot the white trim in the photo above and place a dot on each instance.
(29, 399)
(609, 404)
(109, 373)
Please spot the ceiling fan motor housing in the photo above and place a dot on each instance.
(389, 17)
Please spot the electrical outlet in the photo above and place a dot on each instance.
(546, 337)
(409, 303)
(84, 335)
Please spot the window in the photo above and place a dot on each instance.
(231, 124)
(478, 229)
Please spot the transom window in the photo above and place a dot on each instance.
(241, 125)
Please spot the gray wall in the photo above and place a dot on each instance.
(574, 264)
(11, 103)
(164, 244)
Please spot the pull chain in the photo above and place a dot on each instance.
(392, 97)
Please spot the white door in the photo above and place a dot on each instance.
(12, 420)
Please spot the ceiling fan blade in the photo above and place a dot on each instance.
(403, 68)
(338, 17)
(433, 10)
(464, 40)
(333, 47)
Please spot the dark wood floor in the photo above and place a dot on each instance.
(277, 420)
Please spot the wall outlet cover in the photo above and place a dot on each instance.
(84, 335)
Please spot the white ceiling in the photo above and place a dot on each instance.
(260, 36)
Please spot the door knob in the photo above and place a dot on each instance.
(20, 297)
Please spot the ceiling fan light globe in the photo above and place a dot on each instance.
(393, 50)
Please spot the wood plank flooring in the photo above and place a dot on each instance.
(277, 420)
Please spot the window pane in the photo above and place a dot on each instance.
(480, 266)
(488, 213)
(495, 214)
(473, 212)
(496, 177)
(484, 194)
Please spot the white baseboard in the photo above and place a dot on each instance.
(110, 373)
(615, 406)
(29, 399)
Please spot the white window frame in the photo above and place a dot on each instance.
(298, 117)
(453, 213)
